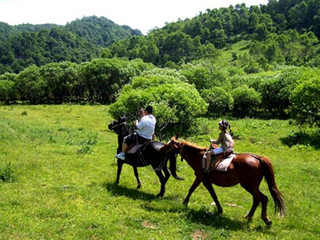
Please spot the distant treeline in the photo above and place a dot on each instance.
(97, 81)
(79, 41)
(216, 91)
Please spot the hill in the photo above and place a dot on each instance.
(78, 41)
(279, 33)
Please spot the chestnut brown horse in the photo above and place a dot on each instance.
(246, 169)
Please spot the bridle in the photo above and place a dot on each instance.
(118, 125)
(172, 147)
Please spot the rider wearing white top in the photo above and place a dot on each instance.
(146, 126)
(145, 131)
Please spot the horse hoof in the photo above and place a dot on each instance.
(268, 222)
(178, 178)
(249, 218)
(160, 195)
(139, 186)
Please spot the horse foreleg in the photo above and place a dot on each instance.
(163, 181)
(136, 174)
(193, 187)
(120, 163)
(209, 187)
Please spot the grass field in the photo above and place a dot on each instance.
(58, 169)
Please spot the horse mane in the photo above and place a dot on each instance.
(192, 145)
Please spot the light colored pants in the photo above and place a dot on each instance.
(217, 151)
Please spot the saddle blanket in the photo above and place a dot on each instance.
(224, 164)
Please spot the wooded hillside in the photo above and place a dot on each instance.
(78, 41)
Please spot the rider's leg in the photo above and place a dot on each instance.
(122, 154)
(215, 151)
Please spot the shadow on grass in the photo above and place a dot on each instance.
(119, 190)
(307, 138)
(214, 220)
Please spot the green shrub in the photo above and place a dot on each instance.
(246, 101)
(305, 102)
(175, 104)
(220, 101)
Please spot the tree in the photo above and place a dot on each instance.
(60, 79)
(305, 100)
(220, 101)
(246, 101)
(30, 85)
(103, 78)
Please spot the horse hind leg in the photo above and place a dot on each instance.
(264, 203)
(257, 198)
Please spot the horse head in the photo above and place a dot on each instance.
(173, 146)
(117, 125)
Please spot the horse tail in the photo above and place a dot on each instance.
(173, 166)
(275, 193)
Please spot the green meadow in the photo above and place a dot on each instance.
(58, 167)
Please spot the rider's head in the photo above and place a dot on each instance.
(224, 125)
(149, 109)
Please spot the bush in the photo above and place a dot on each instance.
(219, 100)
(305, 102)
(175, 104)
(246, 101)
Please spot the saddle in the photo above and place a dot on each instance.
(220, 162)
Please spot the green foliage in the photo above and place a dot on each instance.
(277, 32)
(95, 81)
(276, 90)
(175, 102)
(30, 85)
(7, 91)
(78, 41)
(305, 100)
(100, 30)
(60, 79)
(103, 78)
(220, 101)
(246, 101)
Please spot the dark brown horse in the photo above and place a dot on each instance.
(246, 169)
(148, 154)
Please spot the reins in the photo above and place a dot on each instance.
(117, 125)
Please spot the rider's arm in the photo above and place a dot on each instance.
(218, 140)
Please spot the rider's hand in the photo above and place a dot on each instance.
(137, 122)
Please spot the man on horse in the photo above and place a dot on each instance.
(144, 133)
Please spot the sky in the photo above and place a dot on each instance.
(144, 15)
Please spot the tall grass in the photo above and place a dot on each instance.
(62, 160)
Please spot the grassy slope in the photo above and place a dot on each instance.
(63, 161)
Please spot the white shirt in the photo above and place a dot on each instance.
(146, 126)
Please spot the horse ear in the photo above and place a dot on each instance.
(177, 136)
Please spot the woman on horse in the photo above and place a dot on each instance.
(145, 132)
(224, 139)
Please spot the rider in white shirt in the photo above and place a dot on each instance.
(145, 131)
